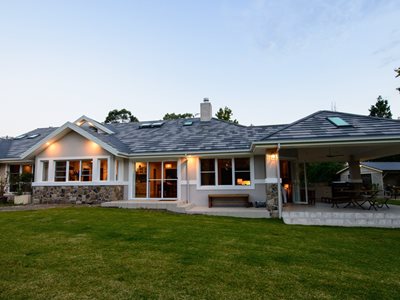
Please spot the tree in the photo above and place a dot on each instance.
(120, 116)
(174, 116)
(398, 75)
(226, 115)
(323, 172)
(380, 109)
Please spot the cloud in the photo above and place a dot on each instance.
(288, 24)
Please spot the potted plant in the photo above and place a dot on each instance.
(23, 195)
(3, 188)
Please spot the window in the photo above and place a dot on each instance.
(141, 180)
(87, 170)
(156, 179)
(207, 171)
(103, 169)
(74, 170)
(78, 170)
(18, 182)
(225, 171)
(242, 171)
(170, 180)
(14, 177)
(60, 171)
(338, 122)
(45, 170)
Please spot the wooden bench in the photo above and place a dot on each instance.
(229, 200)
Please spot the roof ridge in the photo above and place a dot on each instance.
(358, 115)
(291, 124)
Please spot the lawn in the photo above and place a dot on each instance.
(98, 253)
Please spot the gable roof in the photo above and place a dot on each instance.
(317, 127)
(13, 148)
(173, 136)
(60, 132)
(383, 166)
(176, 137)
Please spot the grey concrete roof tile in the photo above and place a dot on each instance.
(18, 146)
(317, 126)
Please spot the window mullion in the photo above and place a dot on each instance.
(162, 179)
(216, 171)
(147, 180)
(80, 170)
(67, 171)
(233, 171)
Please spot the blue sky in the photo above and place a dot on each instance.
(269, 61)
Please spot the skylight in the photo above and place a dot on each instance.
(188, 123)
(145, 125)
(20, 137)
(338, 122)
(157, 124)
(151, 125)
(32, 136)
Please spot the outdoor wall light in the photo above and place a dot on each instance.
(273, 156)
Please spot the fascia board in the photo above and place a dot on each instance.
(63, 130)
(95, 123)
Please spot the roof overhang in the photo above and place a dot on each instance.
(94, 123)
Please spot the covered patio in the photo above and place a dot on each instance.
(324, 137)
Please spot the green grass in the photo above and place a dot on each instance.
(96, 253)
(394, 202)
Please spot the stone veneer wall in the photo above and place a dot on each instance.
(272, 197)
(77, 194)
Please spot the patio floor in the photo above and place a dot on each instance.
(181, 207)
(324, 214)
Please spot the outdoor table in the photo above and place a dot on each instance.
(355, 198)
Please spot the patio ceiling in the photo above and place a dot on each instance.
(340, 153)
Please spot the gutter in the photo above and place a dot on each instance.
(341, 141)
(278, 167)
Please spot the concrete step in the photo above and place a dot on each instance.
(346, 219)
(132, 204)
(230, 212)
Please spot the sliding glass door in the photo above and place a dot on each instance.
(156, 180)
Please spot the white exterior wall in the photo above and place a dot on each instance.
(198, 195)
(75, 147)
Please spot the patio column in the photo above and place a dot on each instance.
(272, 182)
(354, 170)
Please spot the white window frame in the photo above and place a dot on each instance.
(98, 169)
(133, 171)
(226, 187)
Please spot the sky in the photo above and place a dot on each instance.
(271, 62)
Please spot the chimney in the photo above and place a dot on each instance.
(205, 110)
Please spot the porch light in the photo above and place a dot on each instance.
(168, 166)
(273, 156)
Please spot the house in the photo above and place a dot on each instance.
(378, 174)
(189, 159)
